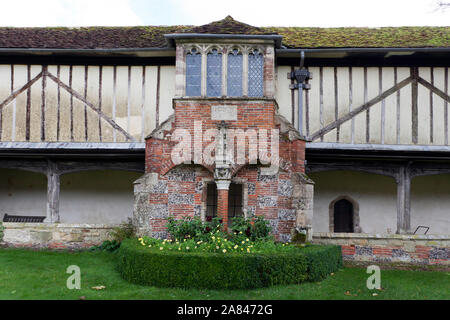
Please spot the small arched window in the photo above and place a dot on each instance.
(343, 216)
(255, 73)
(194, 73)
(214, 74)
(234, 71)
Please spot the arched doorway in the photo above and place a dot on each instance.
(343, 216)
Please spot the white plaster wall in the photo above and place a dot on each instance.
(97, 196)
(22, 193)
(430, 203)
(375, 194)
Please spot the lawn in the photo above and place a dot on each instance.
(26, 274)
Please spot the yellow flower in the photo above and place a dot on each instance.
(224, 250)
(187, 248)
(179, 248)
(236, 246)
(240, 232)
(247, 240)
(140, 239)
(217, 247)
(160, 248)
(248, 250)
(149, 245)
(243, 242)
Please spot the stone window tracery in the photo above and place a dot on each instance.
(214, 73)
(229, 70)
(193, 73)
(234, 71)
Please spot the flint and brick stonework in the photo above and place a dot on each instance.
(390, 248)
(283, 197)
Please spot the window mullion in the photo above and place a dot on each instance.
(224, 71)
(245, 73)
(203, 91)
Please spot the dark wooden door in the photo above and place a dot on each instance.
(235, 200)
(343, 216)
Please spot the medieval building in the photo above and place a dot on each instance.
(341, 133)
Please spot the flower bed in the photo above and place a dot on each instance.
(223, 264)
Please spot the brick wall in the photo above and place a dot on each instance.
(170, 190)
(411, 249)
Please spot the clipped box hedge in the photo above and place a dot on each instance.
(146, 266)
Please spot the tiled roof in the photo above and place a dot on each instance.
(293, 37)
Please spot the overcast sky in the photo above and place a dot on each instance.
(313, 13)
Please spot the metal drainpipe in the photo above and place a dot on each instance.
(300, 75)
(300, 97)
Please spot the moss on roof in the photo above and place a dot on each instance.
(153, 36)
(386, 37)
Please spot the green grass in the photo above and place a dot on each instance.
(26, 274)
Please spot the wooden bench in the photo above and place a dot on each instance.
(12, 218)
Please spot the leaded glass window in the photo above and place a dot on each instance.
(255, 74)
(193, 73)
(214, 74)
(234, 74)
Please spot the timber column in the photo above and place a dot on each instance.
(403, 180)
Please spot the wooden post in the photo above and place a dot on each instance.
(403, 180)
(53, 188)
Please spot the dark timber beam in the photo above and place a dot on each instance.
(363, 107)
